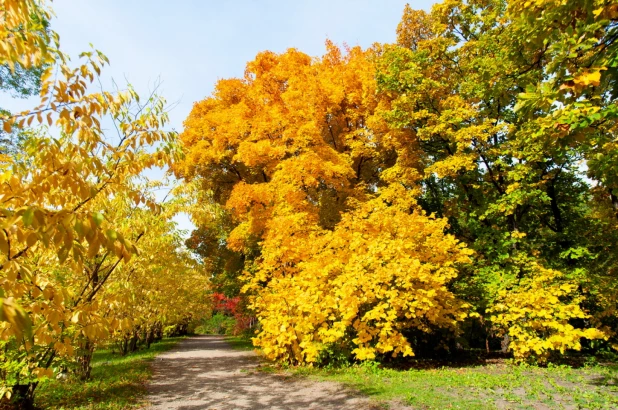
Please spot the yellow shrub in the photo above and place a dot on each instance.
(382, 270)
(536, 315)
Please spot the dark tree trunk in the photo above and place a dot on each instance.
(614, 203)
(23, 396)
(149, 337)
(85, 360)
(506, 340)
(124, 346)
(551, 191)
(158, 331)
(133, 342)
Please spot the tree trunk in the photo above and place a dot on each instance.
(133, 342)
(85, 360)
(23, 396)
(506, 340)
(158, 331)
(149, 337)
(124, 346)
(614, 202)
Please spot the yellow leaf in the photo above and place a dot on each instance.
(6, 126)
(588, 78)
(14, 314)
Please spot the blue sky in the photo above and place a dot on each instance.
(190, 44)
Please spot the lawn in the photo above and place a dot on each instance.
(117, 382)
(497, 385)
(240, 342)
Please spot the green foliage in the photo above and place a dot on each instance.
(510, 103)
(20, 83)
(218, 324)
(242, 342)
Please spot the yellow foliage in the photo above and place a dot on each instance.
(299, 154)
(380, 271)
(74, 211)
(536, 314)
(32, 46)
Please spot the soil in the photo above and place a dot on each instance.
(205, 372)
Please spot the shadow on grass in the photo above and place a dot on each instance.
(436, 383)
(240, 342)
(608, 379)
(481, 358)
(117, 381)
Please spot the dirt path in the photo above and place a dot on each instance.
(204, 372)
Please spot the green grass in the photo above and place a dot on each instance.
(240, 342)
(117, 382)
(490, 386)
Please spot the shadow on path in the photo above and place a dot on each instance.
(204, 372)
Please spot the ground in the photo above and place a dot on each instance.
(484, 384)
(206, 372)
(217, 373)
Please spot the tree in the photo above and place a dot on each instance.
(75, 211)
(495, 116)
(507, 177)
(314, 183)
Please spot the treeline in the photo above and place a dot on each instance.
(88, 256)
(455, 189)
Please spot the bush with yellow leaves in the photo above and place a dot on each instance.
(382, 270)
(537, 315)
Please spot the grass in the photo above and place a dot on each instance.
(239, 342)
(490, 386)
(117, 382)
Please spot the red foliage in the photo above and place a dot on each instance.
(232, 307)
(223, 304)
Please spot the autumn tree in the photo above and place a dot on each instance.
(75, 209)
(491, 121)
(491, 90)
(316, 184)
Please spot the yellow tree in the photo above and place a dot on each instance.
(317, 186)
(154, 290)
(65, 197)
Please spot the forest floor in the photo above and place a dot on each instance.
(117, 382)
(481, 384)
(219, 373)
(207, 372)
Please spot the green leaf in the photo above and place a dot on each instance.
(111, 235)
(28, 217)
(98, 218)
(63, 253)
(79, 228)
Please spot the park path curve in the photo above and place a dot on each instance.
(205, 372)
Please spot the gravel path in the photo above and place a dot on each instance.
(204, 372)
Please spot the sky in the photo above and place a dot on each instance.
(190, 44)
